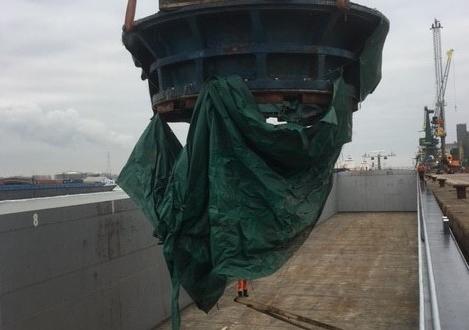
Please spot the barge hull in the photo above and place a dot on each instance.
(90, 261)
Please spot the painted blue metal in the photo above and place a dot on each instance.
(292, 47)
(47, 186)
(26, 191)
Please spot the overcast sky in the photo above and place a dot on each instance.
(69, 92)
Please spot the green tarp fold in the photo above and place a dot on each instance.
(243, 194)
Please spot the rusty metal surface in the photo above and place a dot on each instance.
(356, 271)
(182, 107)
(174, 4)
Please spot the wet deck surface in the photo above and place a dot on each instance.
(449, 269)
(356, 271)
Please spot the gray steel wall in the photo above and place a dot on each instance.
(331, 204)
(89, 266)
(377, 191)
(372, 191)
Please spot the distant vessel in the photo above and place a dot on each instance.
(24, 187)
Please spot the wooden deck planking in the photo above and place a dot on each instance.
(356, 271)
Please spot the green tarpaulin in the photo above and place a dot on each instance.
(243, 194)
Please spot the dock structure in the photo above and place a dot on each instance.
(452, 199)
(356, 271)
(456, 178)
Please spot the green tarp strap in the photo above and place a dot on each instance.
(242, 195)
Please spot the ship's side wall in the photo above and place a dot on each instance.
(90, 261)
(88, 266)
(372, 191)
(331, 207)
(377, 191)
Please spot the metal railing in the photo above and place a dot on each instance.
(429, 274)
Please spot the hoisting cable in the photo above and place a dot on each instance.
(454, 86)
(291, 318)
(130, 15)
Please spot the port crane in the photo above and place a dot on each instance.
(428, 144)
(441, 78)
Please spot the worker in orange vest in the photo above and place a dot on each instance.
(421, 171)
(242, 288)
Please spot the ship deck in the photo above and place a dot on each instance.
(356, 271)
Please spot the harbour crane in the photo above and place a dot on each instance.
(441, 77)
(428, 144)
